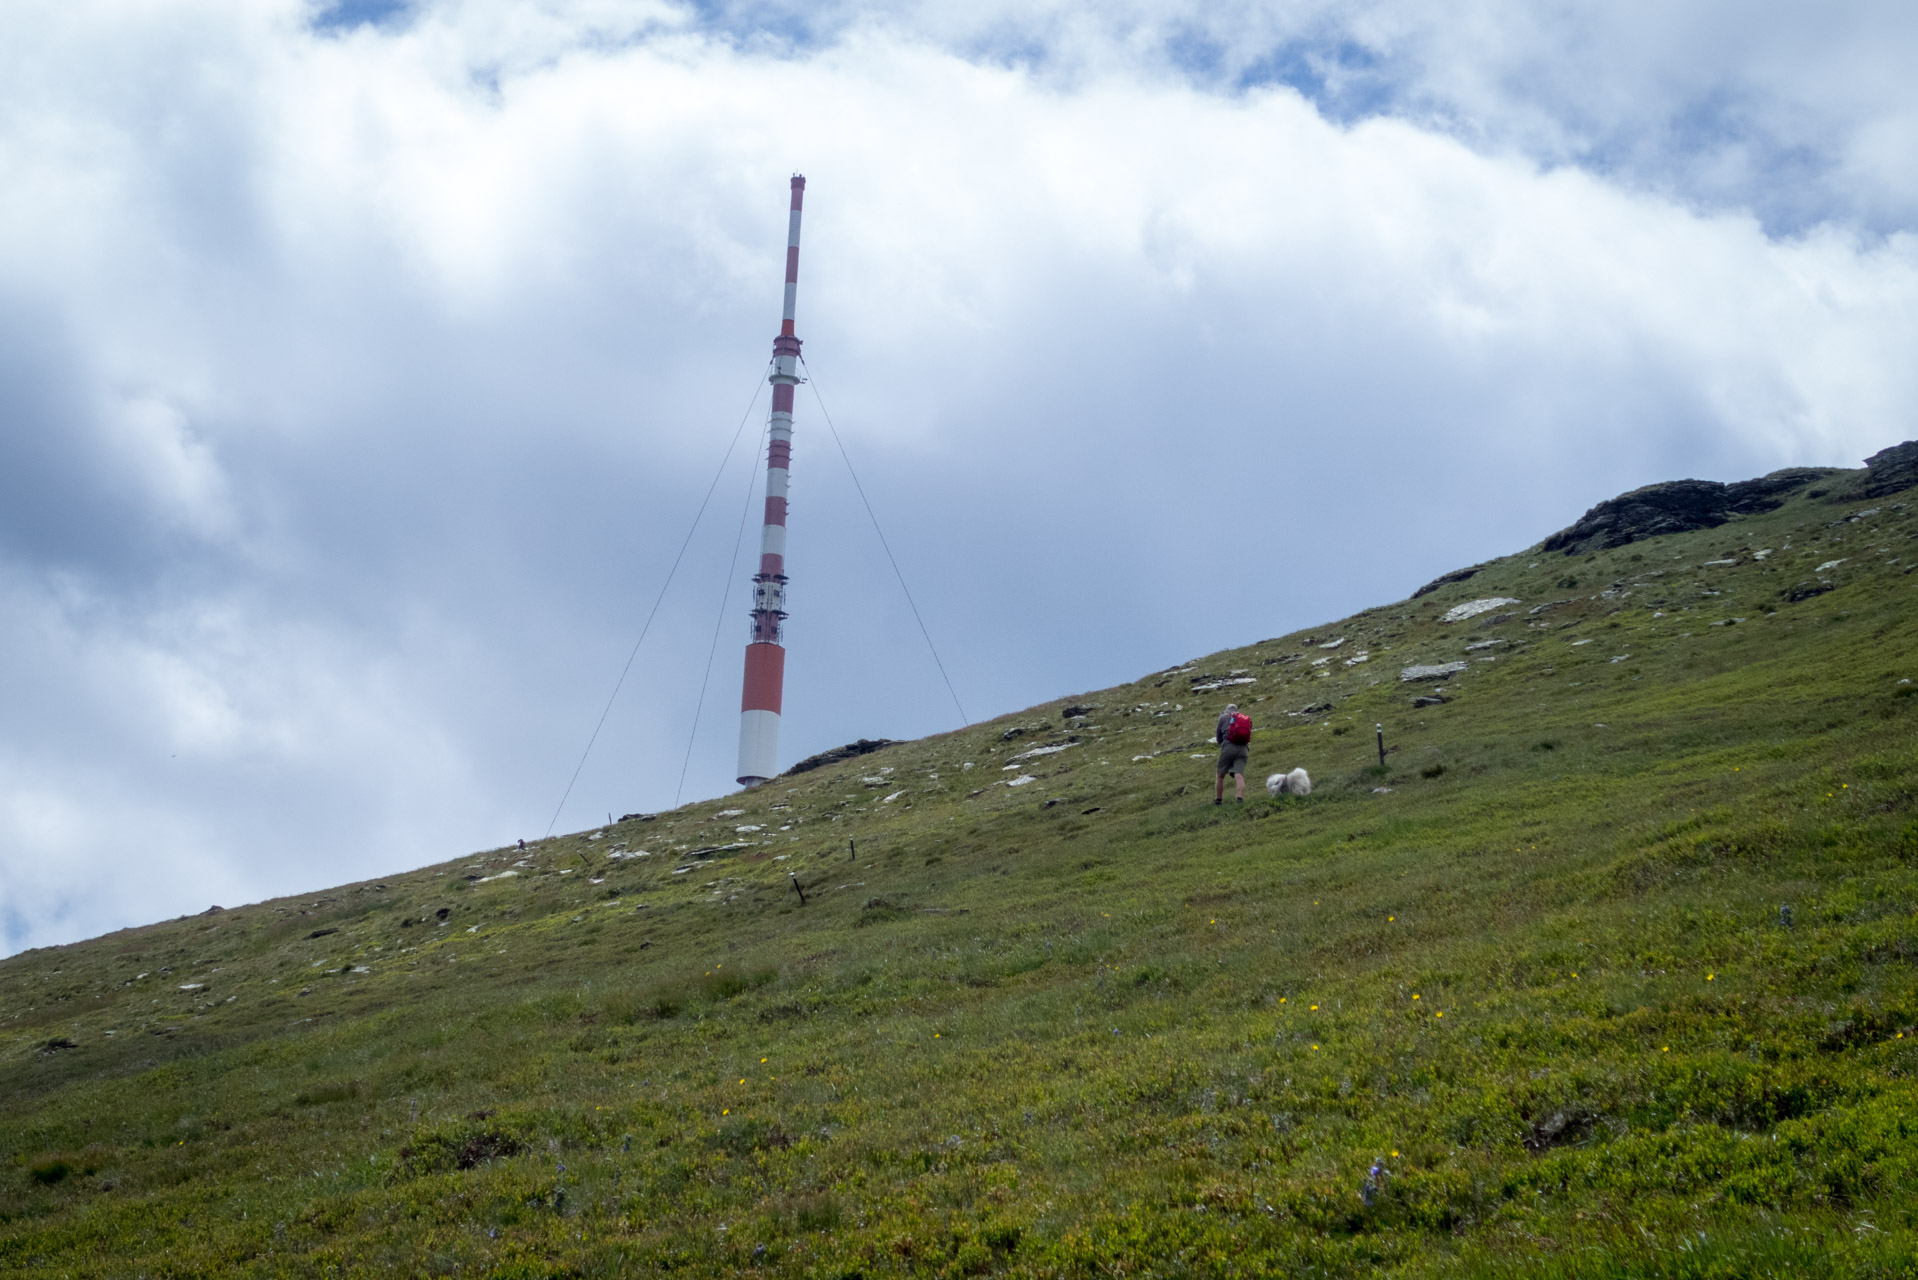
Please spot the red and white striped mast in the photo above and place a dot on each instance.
(759, 701)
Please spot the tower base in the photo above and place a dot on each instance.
(758, 747)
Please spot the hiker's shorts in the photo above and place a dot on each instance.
(1232, 757)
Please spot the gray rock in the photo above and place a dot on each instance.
(1476, 608)
(1435, 671)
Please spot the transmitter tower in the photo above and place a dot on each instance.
(765, 681)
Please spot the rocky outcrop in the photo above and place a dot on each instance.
(851, 751)
(1680, 506)
(1890, 470)
(1446, 579)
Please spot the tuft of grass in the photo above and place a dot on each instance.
(322, 1094)
(48, 1170)
(462, 1145)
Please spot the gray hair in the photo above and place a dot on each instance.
(1230, 707)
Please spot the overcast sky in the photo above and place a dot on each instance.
(362, 367)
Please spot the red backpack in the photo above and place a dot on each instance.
(1239, 728)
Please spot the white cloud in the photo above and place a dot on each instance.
(169, 465)
(355, 386)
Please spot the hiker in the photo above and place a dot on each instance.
(1233, 735)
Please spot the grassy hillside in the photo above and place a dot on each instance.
(1607, 969)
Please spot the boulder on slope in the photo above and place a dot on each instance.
(851, 751)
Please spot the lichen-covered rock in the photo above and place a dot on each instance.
(1472, 608)
(1435, 671)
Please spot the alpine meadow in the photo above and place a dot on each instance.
(1590, 953)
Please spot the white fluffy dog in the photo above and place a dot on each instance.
(1296, 783)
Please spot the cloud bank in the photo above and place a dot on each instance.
(361, 367)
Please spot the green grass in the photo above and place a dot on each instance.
(1610, 967)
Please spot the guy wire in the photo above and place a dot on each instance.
(812, 382)
(719, 623)
(658, 600)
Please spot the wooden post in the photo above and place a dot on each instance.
(1381, 729)
(852, 848)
